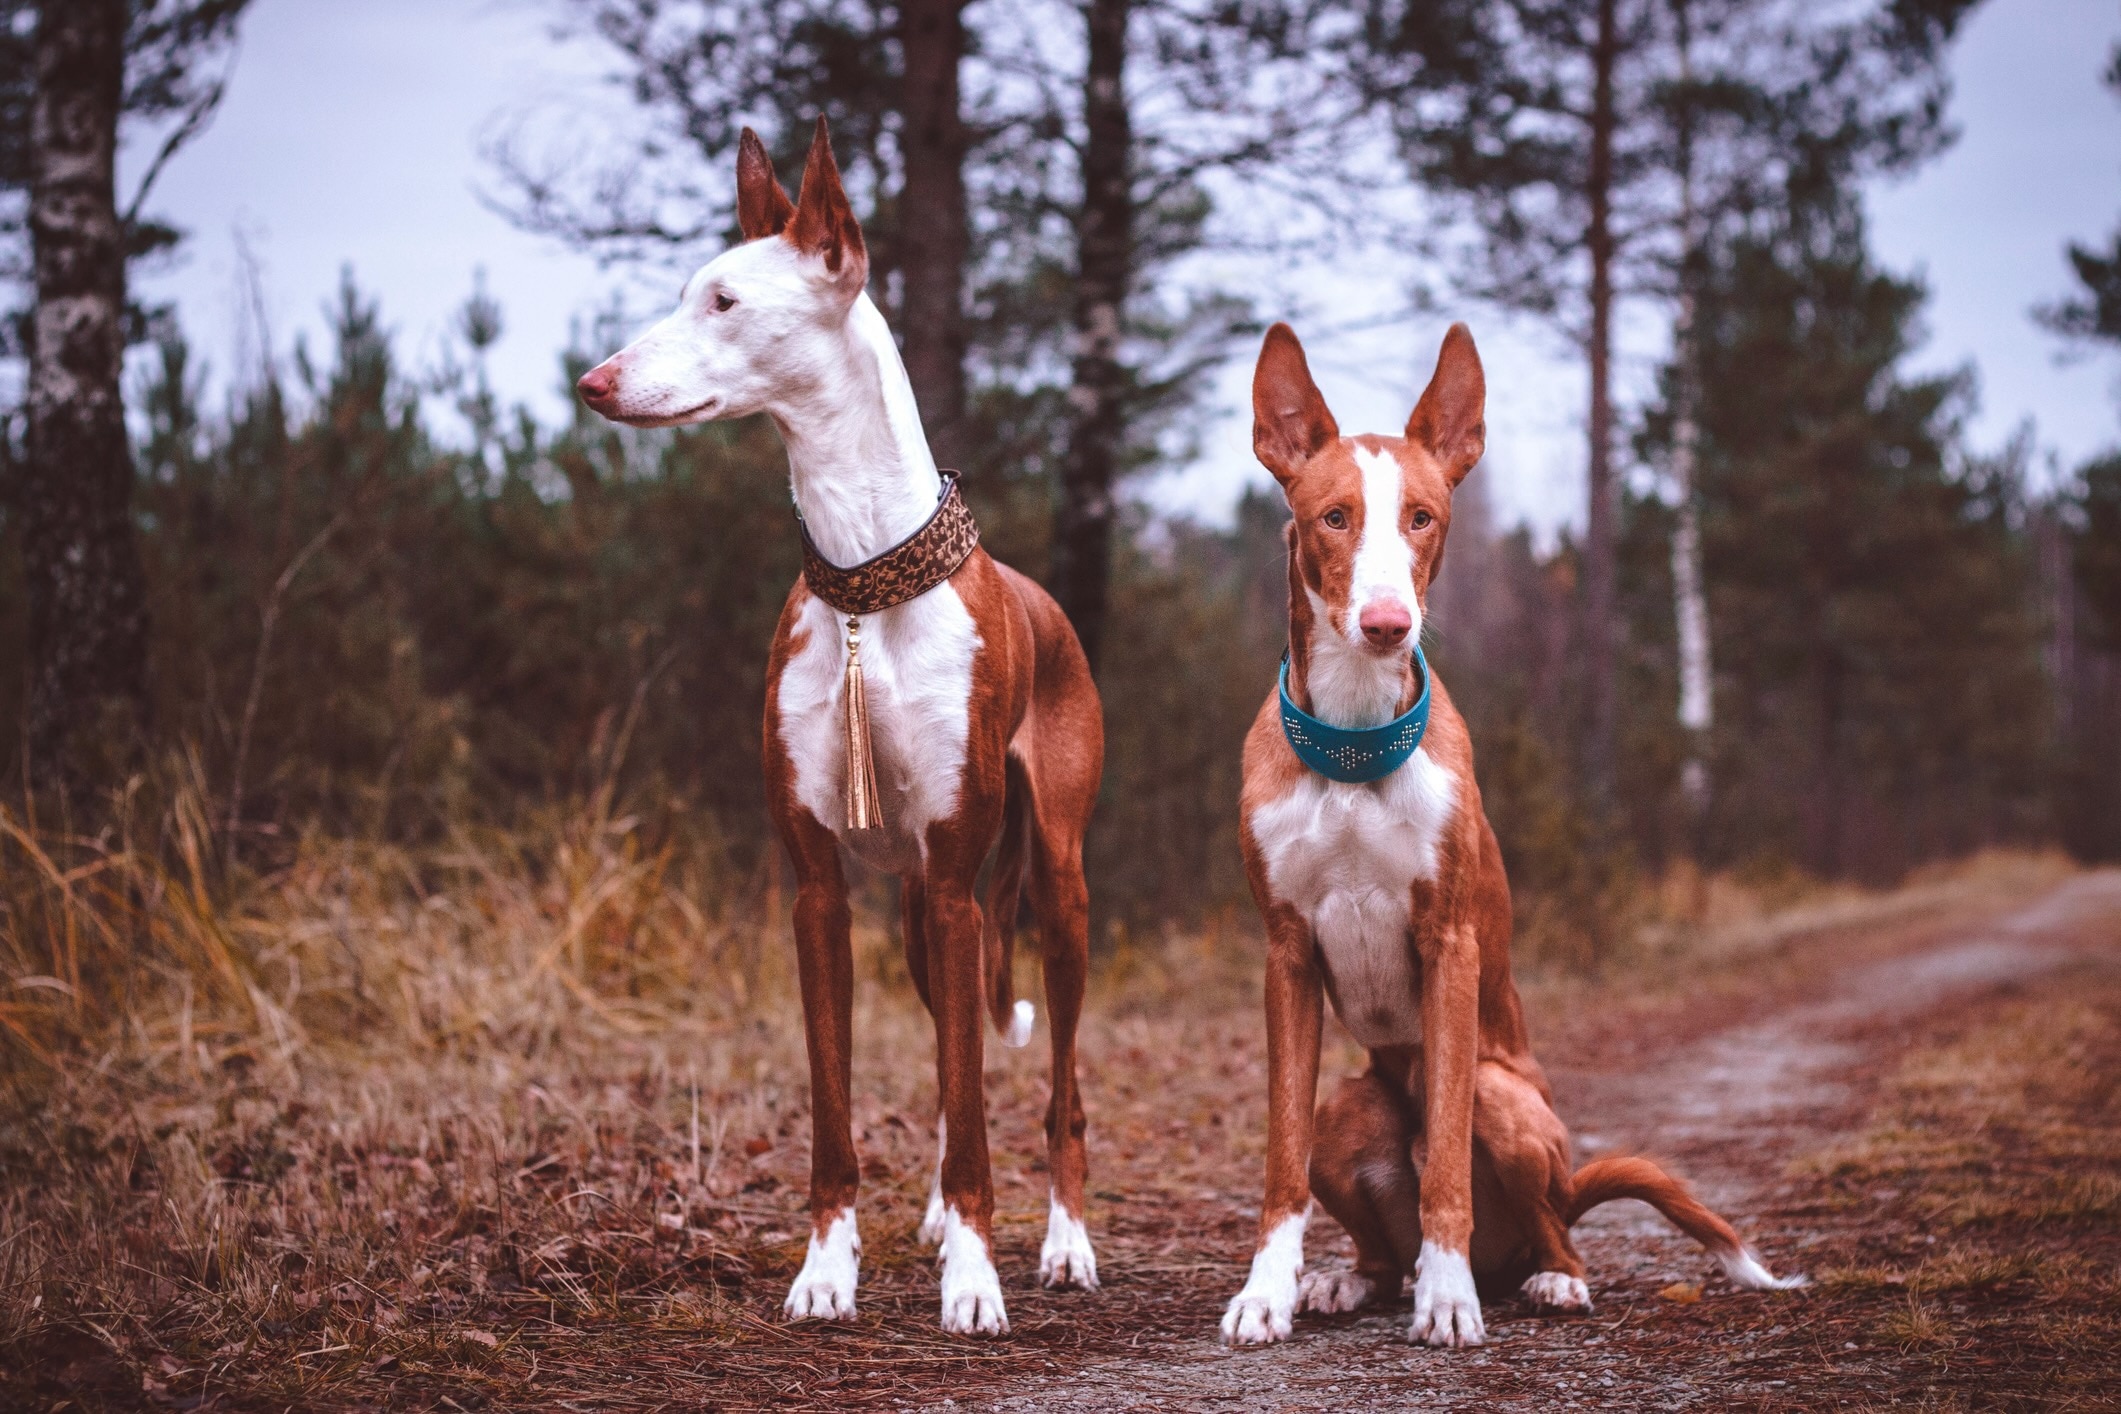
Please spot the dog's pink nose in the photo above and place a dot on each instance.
(598, 385)
(1385, 623)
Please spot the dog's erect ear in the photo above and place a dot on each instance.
(824, 223)
(1290, 422)
(1451, 418)
(762, 205)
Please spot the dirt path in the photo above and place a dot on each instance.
(1730, 1110)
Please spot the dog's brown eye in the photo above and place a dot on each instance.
(1422, 519)
(1337, 518)
(724, 302)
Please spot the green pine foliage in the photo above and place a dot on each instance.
(1880, 695)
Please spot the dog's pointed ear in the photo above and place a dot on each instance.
(1290, 421)
(762, 204)
(824, 223)
(1451, 418)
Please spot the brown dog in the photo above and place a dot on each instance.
(1388, 894)
(985, 723)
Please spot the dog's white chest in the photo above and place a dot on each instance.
(1346, 857)
(917, 677)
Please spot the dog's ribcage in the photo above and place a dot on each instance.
(1346, 857)
(917, 678)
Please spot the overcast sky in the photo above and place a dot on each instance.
(351, 136)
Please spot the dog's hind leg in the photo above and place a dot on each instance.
(912, 911)
(1526, 1149)
(1363, 1174)
(1055, 761)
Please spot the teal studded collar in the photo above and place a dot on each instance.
(1365, 753)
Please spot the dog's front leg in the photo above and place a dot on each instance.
(1262, 1312)
(1446, 1307)
(824, 1289)
(972, 1291)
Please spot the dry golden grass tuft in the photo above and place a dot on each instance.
(394, 1126)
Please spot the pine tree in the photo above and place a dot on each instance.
(1557, 130)
(1871, 597)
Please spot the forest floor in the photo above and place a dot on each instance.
(1913, 1097)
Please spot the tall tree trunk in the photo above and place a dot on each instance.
(1082, 532)
(87, 611)
(1601, 531)
(934, 237)
(1831, 855)
(1690, 597)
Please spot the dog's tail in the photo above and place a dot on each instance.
(1603, 1180)
(1012, 1018)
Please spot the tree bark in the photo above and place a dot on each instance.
(1601, 530)
(1690, 596)
(934, 236)
(87, 611)
(1082, 532)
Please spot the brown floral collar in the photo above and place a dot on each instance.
(907, 570)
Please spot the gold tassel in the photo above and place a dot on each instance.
(864, 812)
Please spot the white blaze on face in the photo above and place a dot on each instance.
(1384, 561)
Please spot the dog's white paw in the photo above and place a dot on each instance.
(1446, 1307)
(972, 1292)
(932, 1221)
(1330, 1293)
(1257, 1320)
(1262, 1313)
(1557, 1291)
(1066, 1259)
(824, 1288)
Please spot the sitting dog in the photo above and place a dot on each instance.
(922, 703)
(1365, 1168)
(1382, 887)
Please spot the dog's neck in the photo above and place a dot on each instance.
(858, 461)
(1343, 684)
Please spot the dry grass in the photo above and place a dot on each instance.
(522, 1120)
(1974, 1221)
(420, 1128)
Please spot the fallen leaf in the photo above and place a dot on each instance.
(756, 1147)
(485, 1338)
(1683, 1293)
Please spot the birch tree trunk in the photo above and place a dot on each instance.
(1602, 528)
(87, 615)
(1690, 598)
(1082, 532)
(933, 233)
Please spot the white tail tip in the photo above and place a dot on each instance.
(1020, 1024)
(1744, 1269)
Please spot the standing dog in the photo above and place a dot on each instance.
(984, 722)
(1382, 886)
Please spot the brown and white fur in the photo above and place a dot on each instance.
(985, 724)
(1446, 1162)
